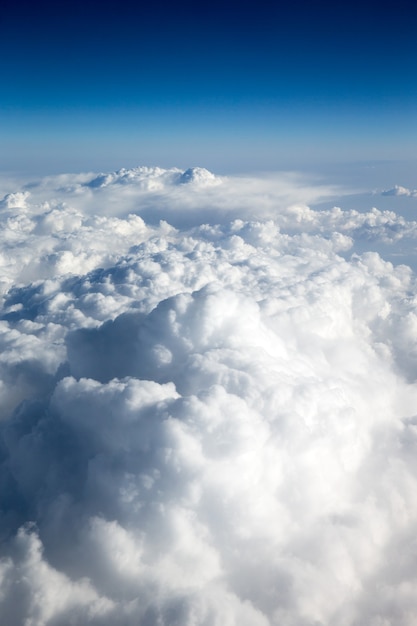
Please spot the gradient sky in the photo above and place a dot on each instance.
(231, 86)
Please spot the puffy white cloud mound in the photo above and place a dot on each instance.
(198, 175)
(398, 190)
(209, 424)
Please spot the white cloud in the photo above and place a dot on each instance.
(210, 423)
(398, 190)
(34, 593)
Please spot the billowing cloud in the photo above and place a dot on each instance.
(205, 420)
(398, 190)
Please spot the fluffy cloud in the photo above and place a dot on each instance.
(399, 191)
(206, 423)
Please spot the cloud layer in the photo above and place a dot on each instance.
(207, 405)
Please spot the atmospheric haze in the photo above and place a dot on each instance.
(208, 402)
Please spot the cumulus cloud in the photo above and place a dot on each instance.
(183, 198)
(398, 190)
(208, 420)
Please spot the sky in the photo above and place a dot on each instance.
(229, 86)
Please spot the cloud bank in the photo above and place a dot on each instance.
(208, 405)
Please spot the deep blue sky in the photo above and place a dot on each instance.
(230, 86)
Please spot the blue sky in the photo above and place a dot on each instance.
(229, 86)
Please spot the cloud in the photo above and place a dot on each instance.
(399, 191)
(33, 592)
(183, 198)
(211, 422)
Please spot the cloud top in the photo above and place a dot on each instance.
(398, 190)
(209, 421)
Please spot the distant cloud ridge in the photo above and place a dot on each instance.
(398, 190)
